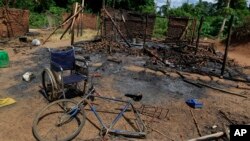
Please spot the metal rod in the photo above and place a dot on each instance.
(96, 114)
(112, 99)
(119, 116)
(227, 45)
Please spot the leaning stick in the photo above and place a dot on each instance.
(65, 31)
(208, 137)
(65, 22)
(195, 122)
(112, 20)
(72, 28)
(161, 133)
(222, 90)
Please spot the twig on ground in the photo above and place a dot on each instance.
(195, 122)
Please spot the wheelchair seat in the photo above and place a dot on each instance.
(73, 78)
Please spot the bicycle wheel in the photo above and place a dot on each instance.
(61, 120)
(49, 84)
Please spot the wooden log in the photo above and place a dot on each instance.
(222, 90)
(208, 137)
(65, 22)
(226, 117)
(81, 19)
(227, 45)
(112, 20)
(78, 24)
(193, 83)
(154, 55)
(195, 122)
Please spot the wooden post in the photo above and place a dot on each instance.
(113, 3)
(114, 30)
(78, 25)
(198, 36)
(103, 4)
(75, 7)
(227, 45)
(193, 30)
(81, 18)
(145, 33)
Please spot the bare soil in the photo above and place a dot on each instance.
(130, 76)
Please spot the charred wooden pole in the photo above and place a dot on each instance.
(198, 36)
(78, 25)
(81, 19)
(103, 4)
(227, 45)
(145, 33)
(193, 30)
(113, 3)
(112, 20)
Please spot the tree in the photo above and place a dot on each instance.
(225, 14)
(164, 9)
(229, 7)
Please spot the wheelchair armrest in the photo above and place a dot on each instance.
(56, 67)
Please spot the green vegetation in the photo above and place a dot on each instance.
(160, 27)
(216, 14)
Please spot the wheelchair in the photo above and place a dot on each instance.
(65, 72)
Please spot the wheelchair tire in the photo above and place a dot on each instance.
(61, 120)
(50, 85)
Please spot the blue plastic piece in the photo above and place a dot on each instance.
(194, 103)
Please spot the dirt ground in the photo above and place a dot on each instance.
(167, 91)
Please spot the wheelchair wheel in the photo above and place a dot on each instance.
(61, 120)
(49, 85)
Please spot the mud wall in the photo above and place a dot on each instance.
(131, 24)
(176, 28)
(89, 21)
(13, 22)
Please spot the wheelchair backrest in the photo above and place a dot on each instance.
(66, 59)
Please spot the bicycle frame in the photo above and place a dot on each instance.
(109, 129)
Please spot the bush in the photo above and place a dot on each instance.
(160, 27)
(38, 20)
(56, 13)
